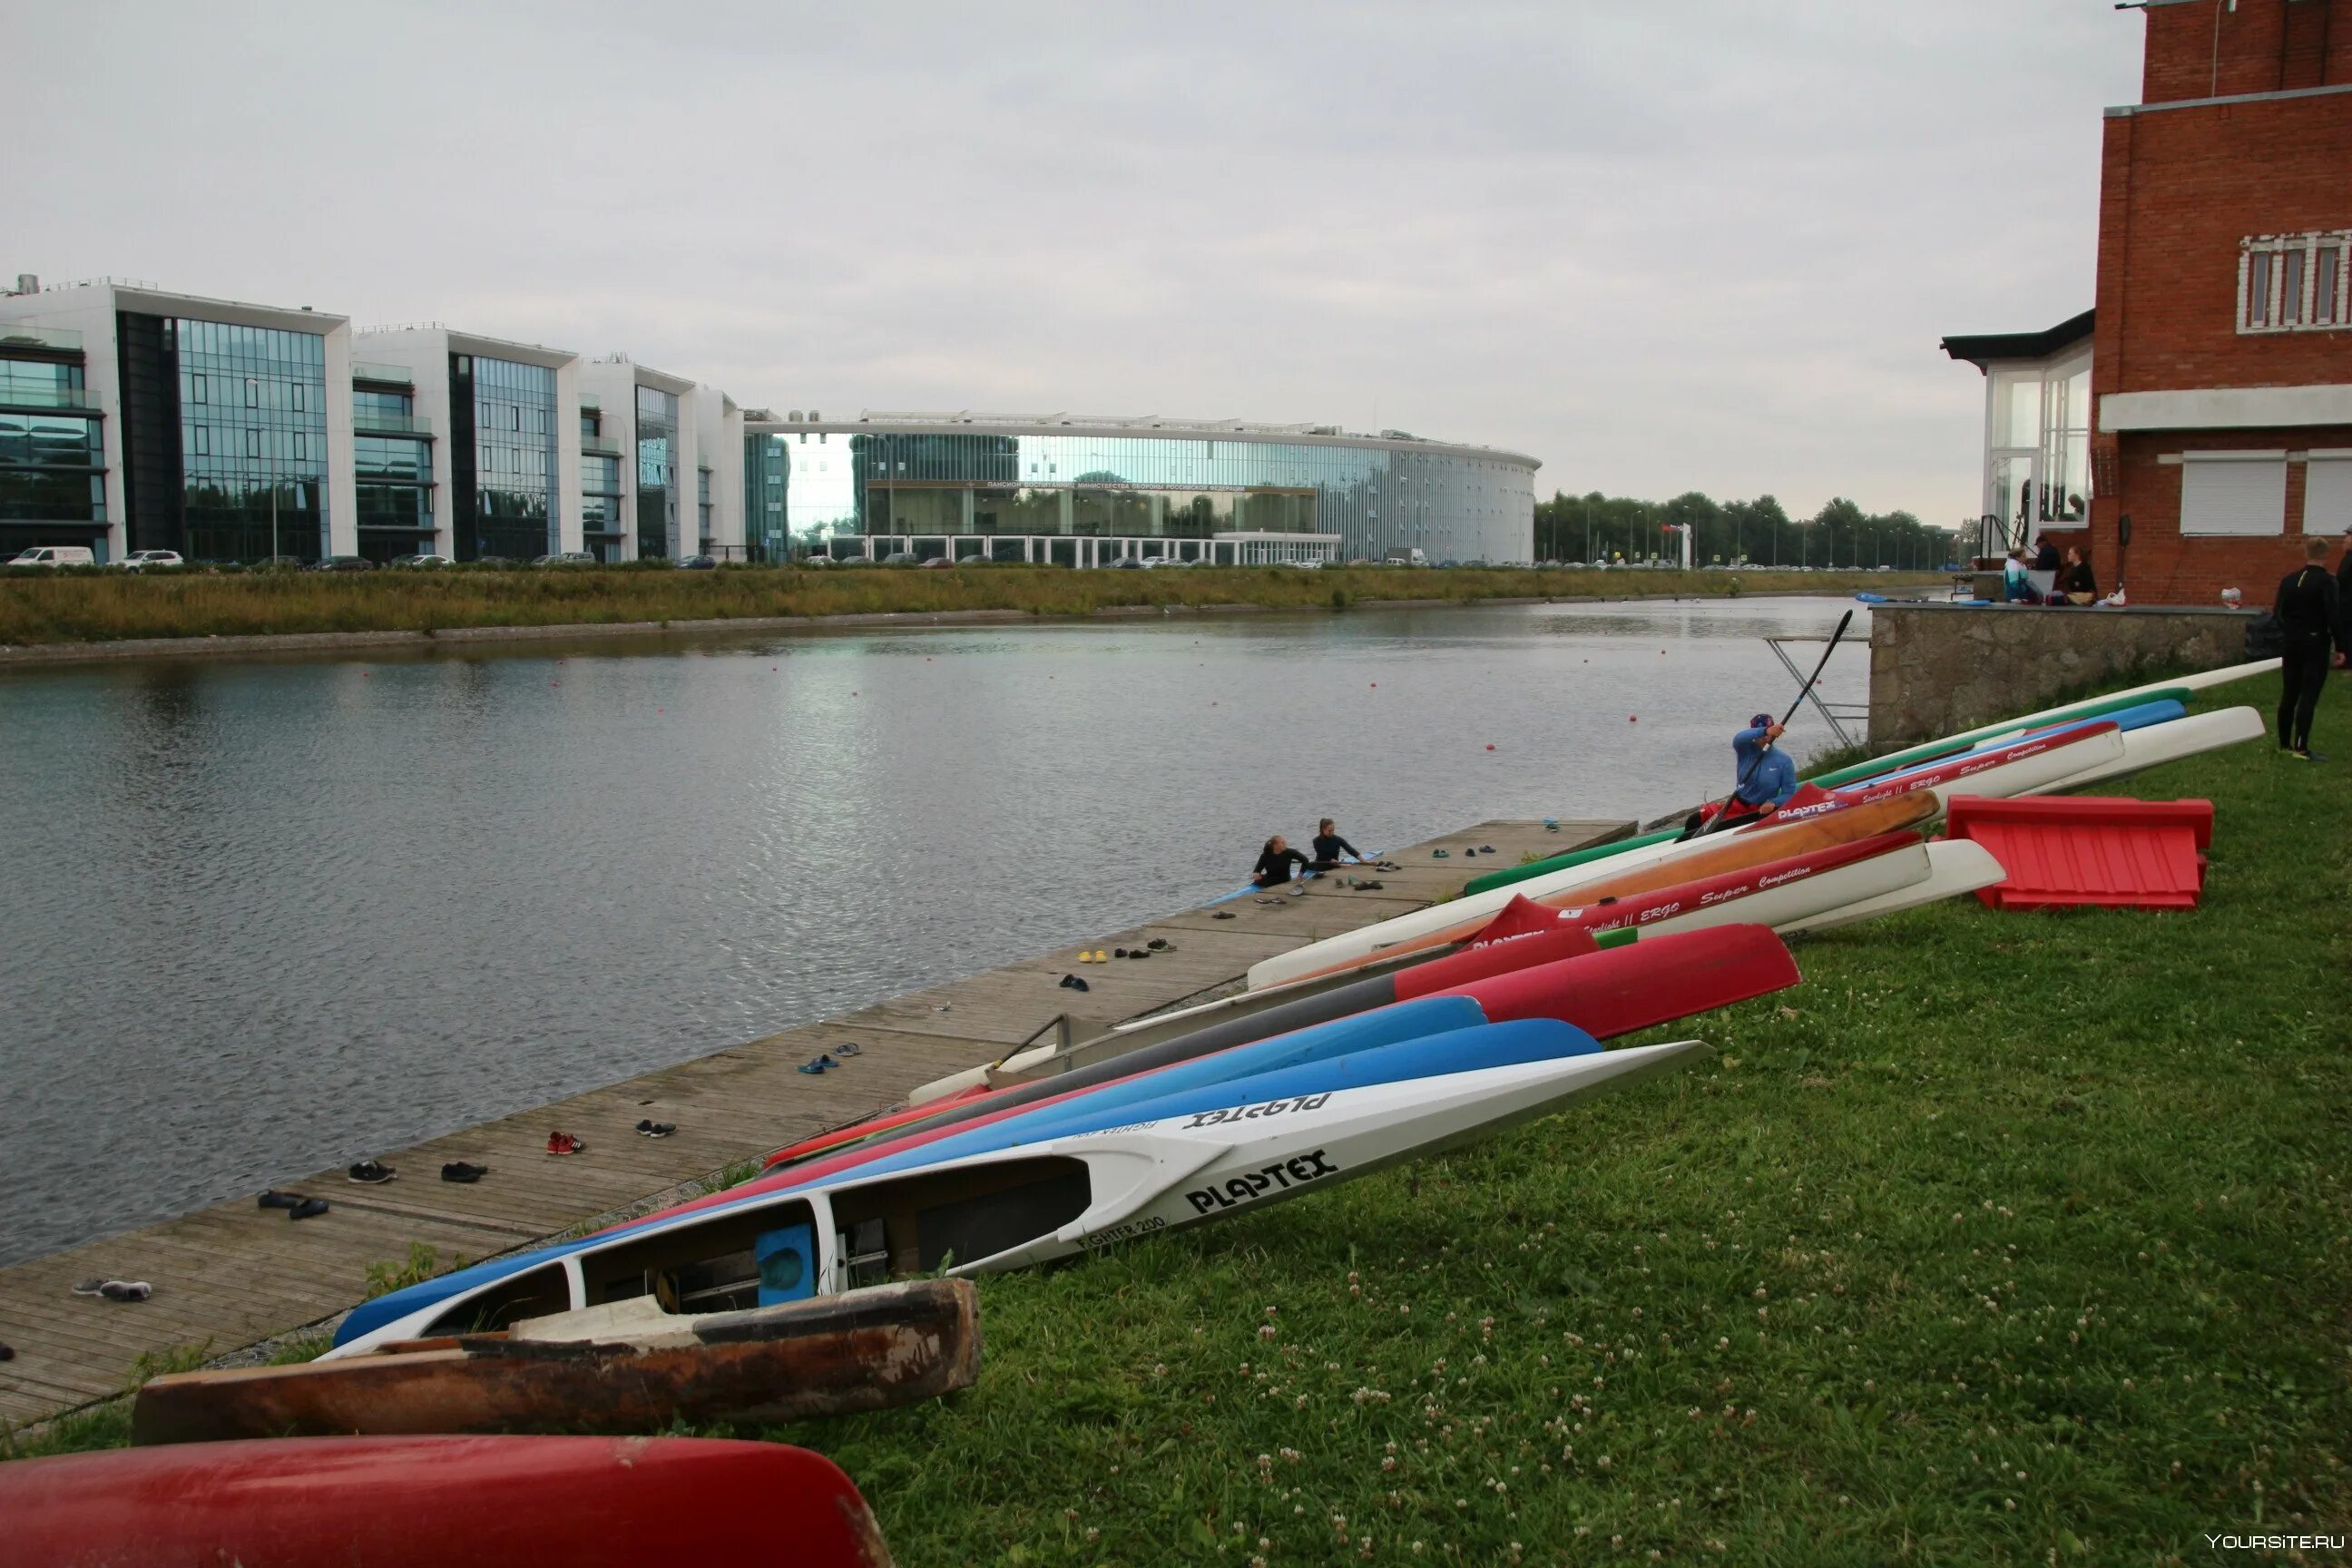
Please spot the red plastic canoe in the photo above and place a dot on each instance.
(437, 1502)
(1605, 993)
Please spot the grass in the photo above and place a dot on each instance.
(106, 606)
(2003, 1239)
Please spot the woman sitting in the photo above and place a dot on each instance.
(1277, 863)
(2076, 583)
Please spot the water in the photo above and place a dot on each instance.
(265, 918)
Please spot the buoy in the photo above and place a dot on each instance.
(1376, 686)
(555, 683)
(1490, 745)
(1633, 718)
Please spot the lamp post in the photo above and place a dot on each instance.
(254, 384)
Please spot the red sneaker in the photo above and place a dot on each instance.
(564, 1143)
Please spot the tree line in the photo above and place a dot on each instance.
(1596, 528)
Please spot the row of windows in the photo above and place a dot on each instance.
(51, 441)
(34, 495)
(2296, 282)
(399, 405)
(44, 383)
(276, 395)
(2244, 494)
(249, 345)
(391, 458)
(273, 446)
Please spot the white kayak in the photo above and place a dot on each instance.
(2159, 743)
(1991, 776)
(1956, 866)
(1034, 1203)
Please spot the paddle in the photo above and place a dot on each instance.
(1719, 820)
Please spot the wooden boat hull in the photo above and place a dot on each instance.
(898, 1344)
(438, 1502)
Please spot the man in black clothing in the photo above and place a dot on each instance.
(1275, 863)
(1329, 846)
(2310, 618)
(2344, 601)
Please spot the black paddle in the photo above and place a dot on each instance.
(1719, 820)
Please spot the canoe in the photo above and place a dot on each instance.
(1545, 867)
(1660, 867)
(1929, 751)
(1605, 997)
(2139, 716)
(1956, 866)
(438, 1502)
(1152, 1167)
(623, 1366)
(2025, 767)
(1777, 894)
(1271, 1010)
(2171, 742)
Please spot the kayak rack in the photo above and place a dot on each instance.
(1837, 715)
(1069, 1036)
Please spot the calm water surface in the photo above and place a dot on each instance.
(263, 918)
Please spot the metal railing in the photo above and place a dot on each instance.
(406, 327)
(368, 422)
(396, 374)
(47, 396)
(600, 445)
(31, 336)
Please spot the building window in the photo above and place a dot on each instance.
(2295, 282)
(2236, 494)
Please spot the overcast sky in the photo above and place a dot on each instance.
(1665, 246)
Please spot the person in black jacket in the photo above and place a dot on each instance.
(2344, 601)
(1278, 862)
(1329, 846)
(2310, 618)
(2075, 585)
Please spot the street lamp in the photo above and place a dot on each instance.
(254, 383)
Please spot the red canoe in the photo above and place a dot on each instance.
(437, 1502)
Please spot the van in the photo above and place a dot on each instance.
(1405, 555)
(55, 555)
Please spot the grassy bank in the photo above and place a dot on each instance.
(2003, 1239)
(105, 607)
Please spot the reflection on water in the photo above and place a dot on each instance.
(263, 918)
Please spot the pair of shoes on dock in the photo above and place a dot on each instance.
(653, 1129)
(463, 1174)
(116, 1289)
(821, 1062)
(1069, 982)
(371, 1173)
(297, 1206)
(564, 1143)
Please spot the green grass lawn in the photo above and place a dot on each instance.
(94, 605)
(2003, 1239)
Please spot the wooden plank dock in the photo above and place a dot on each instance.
(234, 1275)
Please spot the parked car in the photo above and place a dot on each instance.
(937, 562)
(697, 564)
(974, 561)
(901, 558)
(139, 559)
(565, 558)
(279, 564)
(420, 560)
(345, 563)
(1128, 563)
(55, 555)
(815, 561)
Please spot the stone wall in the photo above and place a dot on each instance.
(1936, 667)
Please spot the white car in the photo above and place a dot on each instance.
(54, 555)
(138, 558)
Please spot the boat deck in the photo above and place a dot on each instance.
(234, 1275)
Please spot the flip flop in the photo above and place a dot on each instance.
(274, 1199)
(850, 1049)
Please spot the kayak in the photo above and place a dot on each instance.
(438, 1502)
(2171, 742)
(1777, 894)
(1504, 878)
(2023, 767)
(1128, 1172)
(2139, 716)
(1955, 866)
(1604, 992)
(1930, 751)
(1639, 870)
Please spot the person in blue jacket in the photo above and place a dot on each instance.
(1763, 776)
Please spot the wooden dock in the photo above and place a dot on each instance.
(234, 1275)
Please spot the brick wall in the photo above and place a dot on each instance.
(2261, 45)
(1937, 669)
(2163, 568)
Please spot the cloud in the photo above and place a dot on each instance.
(1707, 245)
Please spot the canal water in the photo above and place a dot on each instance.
(261, 918)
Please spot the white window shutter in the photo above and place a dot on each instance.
(2327, 494)
(2242, 493)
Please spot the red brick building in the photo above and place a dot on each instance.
(2218, 417)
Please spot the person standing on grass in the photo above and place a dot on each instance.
(2310, 618)
(2344, 601)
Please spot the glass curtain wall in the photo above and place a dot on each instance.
(1455, 507)
(657, 474)
(515, 487)
(52, 456)
(767, 474)
(394, 475)
(253, 440)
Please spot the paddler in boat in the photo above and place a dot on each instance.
(1329, 848)
(1763, 776)
(1276, 864)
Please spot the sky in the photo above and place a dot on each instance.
(1682, 245)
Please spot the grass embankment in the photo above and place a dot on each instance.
(107, 606)
(2003, 1239)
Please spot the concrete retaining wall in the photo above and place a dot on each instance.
(1935, 668)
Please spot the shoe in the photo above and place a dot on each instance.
(274, 1199)
(7, 1353)
(130, 1290)
(851, 1049)
(1440, 855)
(371, 1174)
(459, 1171)
(1118, 953)
(1158, 944)
(657, 1129)
(1222, 915)
(90, 1288)
(1486, 849)
(1369, 887)
(1069, 982)
(564, 1143)
(2310, 756)
(1137, 952)
(309, 1209)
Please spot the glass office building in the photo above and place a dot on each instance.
(52, 443)
(657, 476)
(504, 456)
(1018, 488)
(225, 438)
(392, 461)
(602, 526)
